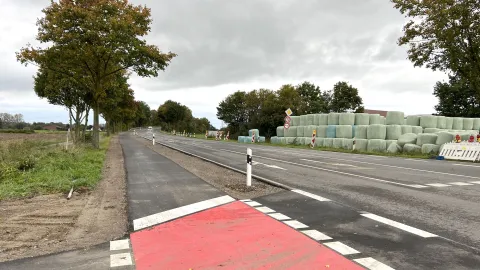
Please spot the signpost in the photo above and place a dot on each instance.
(249, 167)
(314, 134)
(253, 137)
(287, 118)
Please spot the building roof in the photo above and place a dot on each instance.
(382, 113)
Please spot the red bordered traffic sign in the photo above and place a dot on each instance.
(286, 126)
(287, 119)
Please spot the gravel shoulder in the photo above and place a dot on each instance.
(230, 182)
(49, 224)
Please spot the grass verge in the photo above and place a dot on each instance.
(30, 168)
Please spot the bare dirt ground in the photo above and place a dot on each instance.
(49, 224)
(230, 182)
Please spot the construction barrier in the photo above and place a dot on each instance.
(461, 151)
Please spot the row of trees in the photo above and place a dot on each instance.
(90, 49)
(265, 109)
(443, 35)
(175, 116)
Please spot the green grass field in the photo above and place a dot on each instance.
(29, 168)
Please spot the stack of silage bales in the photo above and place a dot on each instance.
(373, 132)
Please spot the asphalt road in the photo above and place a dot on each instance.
(435, 204)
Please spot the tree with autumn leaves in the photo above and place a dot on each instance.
(90, 45)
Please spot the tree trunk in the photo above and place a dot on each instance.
(77, 127)
(107, 127)
(84, 131)
(96, 127)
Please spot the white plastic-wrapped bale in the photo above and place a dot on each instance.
(393, 132)
(404, 121)
(283, 140)
(300, 131)
(448, 123)
(362, 119)
(323, 120)
(295, 121)
(300, 141)
(467, 123)
(261, 139)
(347, 144)
(457, 123)
(406, 129)
(307, 140)
(331, 132)
(344, 131)
(426, 138)
(308, 131)
(274, 140)
(354, 130)
(376, 145)
(333, 118)
(390, 142)
(280, 131)
(409, 138)
(322, 131)
(250, 132)
(375, 119)
(338, 143)
(383, 120)
(428, 121)
(395, 118)
(444, 137)
(346, 119)
(310, 119)
(476, 124)
(291, 132)
(431, 130)
(394, 148)
(441, 122)
(290, 140)
(361, 132)
(361, 145)
(430, 148)
(240, 139)
(319, 142)
(413, 120)
(412, 148)
(417, 130)
(376, 132)
(328, 142)
(303, 120)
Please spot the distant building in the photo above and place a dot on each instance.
(51, 127)
(382, 113)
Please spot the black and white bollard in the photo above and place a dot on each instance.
(249, 167)
(153, 140)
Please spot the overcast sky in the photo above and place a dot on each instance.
(224, 46)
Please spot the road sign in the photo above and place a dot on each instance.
(288, 119)
(314, 134)
(289, 112)
(286, 126)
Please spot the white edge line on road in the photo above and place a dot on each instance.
(461, 184)
(120, 244)
(121, 259)
(399, 225)
(438, 185)
(465, 165)
(252, 203)
(372, 264)
(265, 209)
(475, 182)
(295, 224)
(316, 235)
(313, 196)
(341, 248)
(171, 214)
(279, 216)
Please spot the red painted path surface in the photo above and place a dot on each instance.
(232, 236)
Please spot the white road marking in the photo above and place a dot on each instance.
(341, 248)
(465, 165)
(246, 200)
(461, 184)
(279, 216)
(121, 259)
(372, 264)
(418, 186)
(416, 160)
(252, 203)
(275, 167)
(120, 244)
(476, 182)
(313, 196)
(165, 216)
(399, 225)
(406, 168)
(438, 185)
(317, 235)
(265, 209)
(295, 224)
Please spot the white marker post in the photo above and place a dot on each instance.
(153, 140)
(249, 167)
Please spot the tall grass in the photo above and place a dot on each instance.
(29, 168)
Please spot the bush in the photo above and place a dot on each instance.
(26, 131)
(26, 163)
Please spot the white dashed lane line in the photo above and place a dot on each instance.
(314, 234)
(121, 259)
(372, 264)
(399, 225)
(341, 248)
(120, 244)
